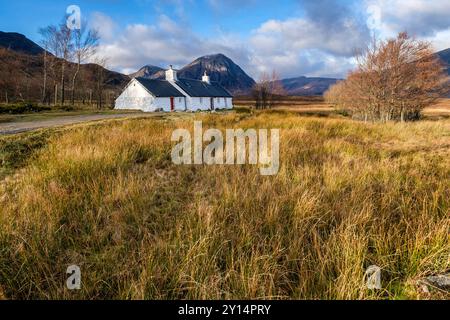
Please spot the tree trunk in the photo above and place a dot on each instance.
(44, 89)
(62, 82)
(73, 83)
(56, 94)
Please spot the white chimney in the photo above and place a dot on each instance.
(205, 78)
(171, 74)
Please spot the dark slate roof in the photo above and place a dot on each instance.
(159, 88)
(197, 88)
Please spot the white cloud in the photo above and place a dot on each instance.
(440, 40)
(319, 43)
(162, 44)
(274, 46)
(104, 25)
(421, 18)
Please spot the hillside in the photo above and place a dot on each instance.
(445, 57)
(304, 86)
(149, 72)
(22, 66)
(19, 43)
(221, 69)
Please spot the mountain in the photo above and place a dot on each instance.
(220, 69)
(150, 72)
(445, 57)
(223, 70)
(304, 86)
(19, 43)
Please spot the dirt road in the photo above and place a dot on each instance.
(19, 126)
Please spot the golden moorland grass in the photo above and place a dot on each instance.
(107, 197)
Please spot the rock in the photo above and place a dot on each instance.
(441, 282)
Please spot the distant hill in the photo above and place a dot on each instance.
(19, 43)
(149, 72)
(304, 86)
(445, 57)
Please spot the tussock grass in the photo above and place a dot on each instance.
(16, 151)
(348, 195)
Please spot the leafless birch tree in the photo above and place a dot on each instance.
(395, 80)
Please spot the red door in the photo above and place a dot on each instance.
(172, 104)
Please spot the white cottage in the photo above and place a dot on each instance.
(173, 94)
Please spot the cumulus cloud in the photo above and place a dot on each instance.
(319, 42)
(162, 44)
(105, 26)
(422, 18)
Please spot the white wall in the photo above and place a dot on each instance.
(180, 103)
(136, 97)
(229, 103)
(199, 104)
(223, 103)
(204, 103)
(164, 104)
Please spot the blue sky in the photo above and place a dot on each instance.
(293, 37)
(205, 17)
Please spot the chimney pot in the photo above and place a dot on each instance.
(171, 74)
(206, 78)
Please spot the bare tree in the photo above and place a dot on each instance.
(58, 40)
(267, 90)
(65, 51)
(395, 80)
(8, 69)
(100, 78)
(85, 46)
(49, 43)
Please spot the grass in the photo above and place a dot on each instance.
(15, 152)
(441, 110)
(107, 197)
(316, 106)
(55, 114)
(23, 107)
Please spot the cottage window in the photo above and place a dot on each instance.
(201, 100)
